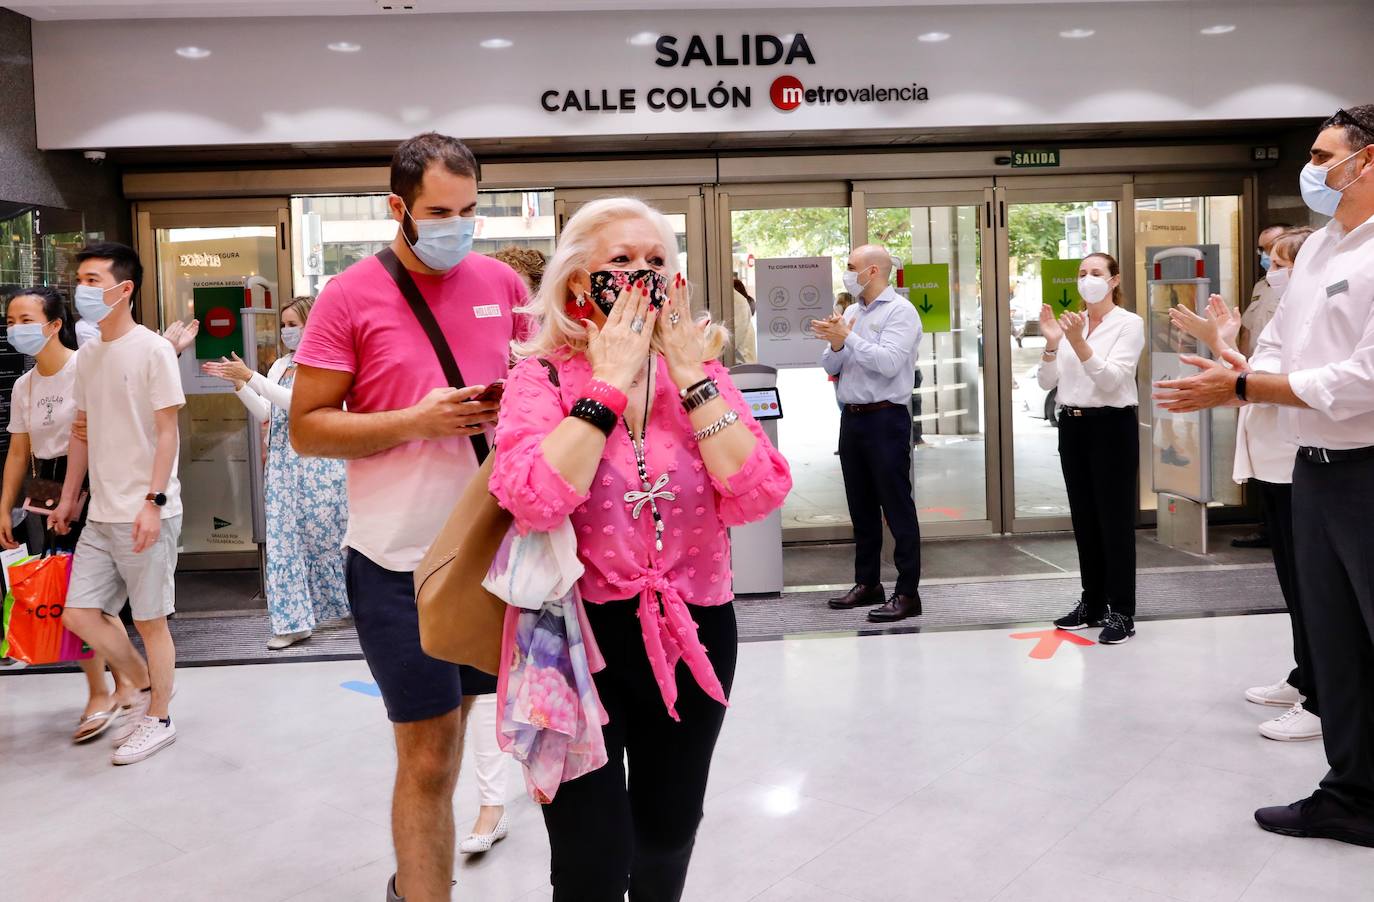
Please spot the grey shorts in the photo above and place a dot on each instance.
(105, 570)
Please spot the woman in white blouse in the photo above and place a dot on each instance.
(1265, 454)
(306, 498)
(1099, 442)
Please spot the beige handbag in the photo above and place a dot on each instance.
(459, 620)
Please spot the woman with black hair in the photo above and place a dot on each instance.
(42, 410)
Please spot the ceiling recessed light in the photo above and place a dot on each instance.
(1218, 29)
(643, 39)
(933, 37)
(1077, 33)
(498, 43)
(192, 53)
(344, 47)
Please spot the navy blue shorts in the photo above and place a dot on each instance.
(414, 686)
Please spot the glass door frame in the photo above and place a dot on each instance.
(978, 193)
(694, 202)
(1034, 189)
(1148, 186)
(149, 217)
(731, 198)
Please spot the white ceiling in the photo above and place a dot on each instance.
(186, 9)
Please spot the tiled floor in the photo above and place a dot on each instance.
(935, 767)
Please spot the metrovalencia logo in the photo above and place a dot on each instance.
(787, 93)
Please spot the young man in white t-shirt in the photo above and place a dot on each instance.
(128, 392)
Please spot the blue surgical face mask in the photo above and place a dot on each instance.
(1264, 261)
(442, 243)
(27, 338)
(1317, 194)
(90, 302)
(291, 336)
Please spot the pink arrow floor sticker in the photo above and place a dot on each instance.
(1050, 640)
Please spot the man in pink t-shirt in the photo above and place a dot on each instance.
(370, 389)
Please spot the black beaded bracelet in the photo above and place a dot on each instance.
(594, 412)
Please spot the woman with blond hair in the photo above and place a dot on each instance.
(619, 418)
(307, 499)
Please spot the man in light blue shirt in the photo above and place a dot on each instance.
(872, 349)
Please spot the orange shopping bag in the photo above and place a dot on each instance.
(36, 634)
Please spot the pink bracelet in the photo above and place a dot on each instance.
(607, 394)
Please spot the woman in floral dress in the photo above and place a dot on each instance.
(307, 501)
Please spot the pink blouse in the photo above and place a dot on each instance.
(618, 549)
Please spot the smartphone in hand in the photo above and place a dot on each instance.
(492, 392)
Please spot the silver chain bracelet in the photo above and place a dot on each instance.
(725, 422)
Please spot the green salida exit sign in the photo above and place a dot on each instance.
(1034, 159)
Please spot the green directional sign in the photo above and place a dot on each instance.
(927, 286)
(1059, 284)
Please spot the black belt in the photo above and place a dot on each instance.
(1328, 456)
(869, 408)
(1094, 411)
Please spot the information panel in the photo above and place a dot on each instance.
(1181, 442)
(792, 293)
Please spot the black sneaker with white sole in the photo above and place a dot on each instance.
(1077, 619)
(1116, 629)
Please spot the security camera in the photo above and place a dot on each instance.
(94, 157)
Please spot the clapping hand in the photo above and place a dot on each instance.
(1072, 325)
(1049, 327)
(235, 371)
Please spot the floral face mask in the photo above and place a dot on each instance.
(607, 284)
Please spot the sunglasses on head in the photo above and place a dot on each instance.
(1344, 118)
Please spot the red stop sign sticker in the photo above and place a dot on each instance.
(220, 322)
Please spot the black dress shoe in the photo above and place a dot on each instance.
(860, 596)
(1318, 816)
(1258, 540)
(898, 607)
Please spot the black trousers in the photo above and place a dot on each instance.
(1099, 455)
(608, 835)
(875, 457)
(1278, 521)
(1333, 538)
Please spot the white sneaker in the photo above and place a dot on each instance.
(151, 737)
(129, 719)
(1297, 725)
(1279, 695)
(277, 643)
(132, 716)
(477, 843)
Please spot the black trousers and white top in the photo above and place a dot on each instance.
(1099, 451)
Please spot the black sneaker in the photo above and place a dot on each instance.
(1116, 629)
(1077, 619)
(1320, 817)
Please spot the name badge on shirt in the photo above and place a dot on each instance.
(1333, 290)
(487, 311)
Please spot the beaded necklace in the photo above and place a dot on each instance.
(651, 492)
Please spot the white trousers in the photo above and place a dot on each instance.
(491, 764)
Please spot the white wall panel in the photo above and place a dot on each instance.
(272, 81)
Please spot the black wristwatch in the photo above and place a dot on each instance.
(1240, 386)
(157, 498)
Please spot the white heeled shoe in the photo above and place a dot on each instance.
(477, 843)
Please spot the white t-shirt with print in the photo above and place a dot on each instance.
(44, 407)
(121, 385)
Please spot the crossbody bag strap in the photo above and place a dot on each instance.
(411, 292)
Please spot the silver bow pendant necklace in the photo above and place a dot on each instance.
(651, 492)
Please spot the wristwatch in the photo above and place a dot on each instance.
(1240, 386)
(157, 498)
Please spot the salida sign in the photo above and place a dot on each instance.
(786, 93)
